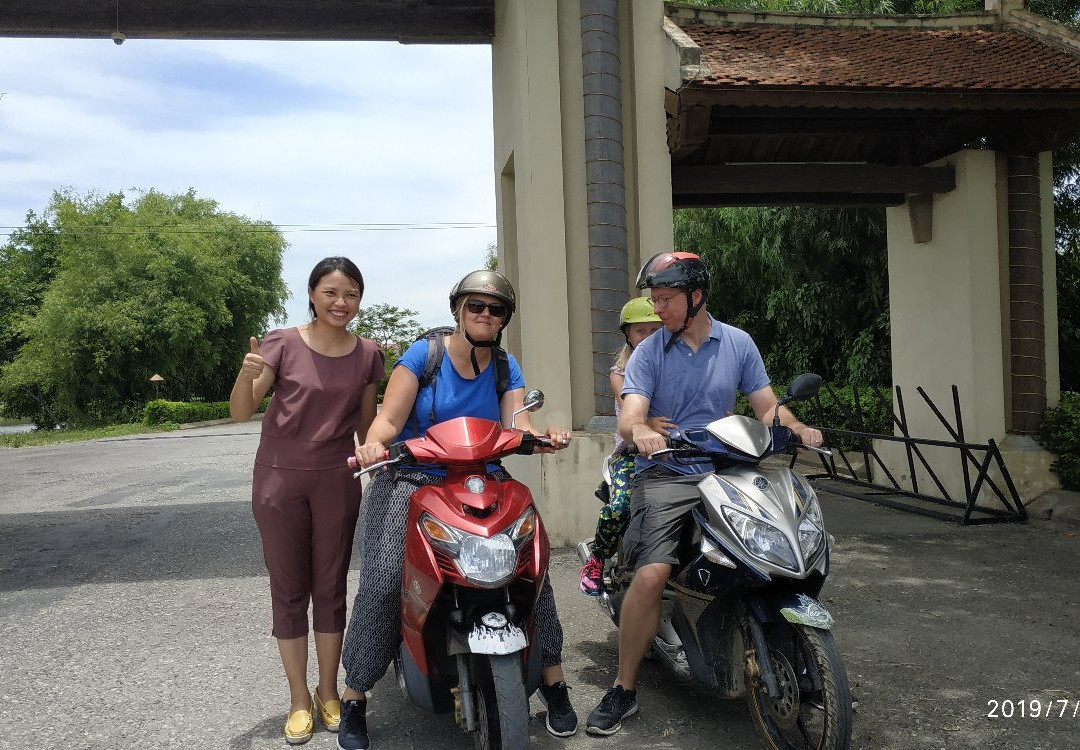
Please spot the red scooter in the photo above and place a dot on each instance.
(476, 554)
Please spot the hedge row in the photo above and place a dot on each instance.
(1061, 435)
(184, 412)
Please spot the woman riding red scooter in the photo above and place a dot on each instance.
(465, 385)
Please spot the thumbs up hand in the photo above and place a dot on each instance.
(253, 364)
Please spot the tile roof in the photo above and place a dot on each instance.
(775, 56)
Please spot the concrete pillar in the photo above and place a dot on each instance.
(543, 218)
(1027, 360)
(949, 310)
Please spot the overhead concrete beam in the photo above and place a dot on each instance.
(426, 21)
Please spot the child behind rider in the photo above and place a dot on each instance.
(637, 322)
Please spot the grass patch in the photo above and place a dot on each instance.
(51, 437)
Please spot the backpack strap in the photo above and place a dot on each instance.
(436, 347)
(436, 339)
(502, 372)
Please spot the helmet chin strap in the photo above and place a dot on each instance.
(483, 344)
(691, 311)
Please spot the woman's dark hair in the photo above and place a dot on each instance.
(329, 265)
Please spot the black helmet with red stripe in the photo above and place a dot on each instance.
(685, 271)
(676, 270)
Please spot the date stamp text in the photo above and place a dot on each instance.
(1033, 708)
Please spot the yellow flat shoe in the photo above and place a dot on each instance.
(329, 712)
(299, 727)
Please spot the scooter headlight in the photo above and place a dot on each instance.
(487, 561)
(762, 540)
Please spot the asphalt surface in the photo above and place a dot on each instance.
(134, 612)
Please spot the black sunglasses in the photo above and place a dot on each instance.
(476, 307)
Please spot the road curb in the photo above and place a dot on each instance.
(214, 422)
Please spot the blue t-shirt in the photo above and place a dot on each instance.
(454, 395)
(693, 388)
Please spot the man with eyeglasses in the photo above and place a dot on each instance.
(690, 371)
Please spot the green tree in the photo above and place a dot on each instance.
(786, 275)
(163, 284)
(388, 326)
(491, 258)
(27, 267)
(392, 328)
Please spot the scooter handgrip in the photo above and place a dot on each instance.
(528, 443)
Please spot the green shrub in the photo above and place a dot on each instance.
(180, 412)
(1061, 435)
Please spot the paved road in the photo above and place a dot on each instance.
(134, 613)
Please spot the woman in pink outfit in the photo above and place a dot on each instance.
(304, 498)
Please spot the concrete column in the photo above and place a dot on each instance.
(1027, 360)
(949, 310)
(1049, 267)
(530, 199)
(945, 303)
(543, 218)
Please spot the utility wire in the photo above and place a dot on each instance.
(140, 229)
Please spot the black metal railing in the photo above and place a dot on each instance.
(975, 459)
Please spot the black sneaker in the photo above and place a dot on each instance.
(352, 731)
(561, 719)
(615, 706)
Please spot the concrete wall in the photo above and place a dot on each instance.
(542, 216)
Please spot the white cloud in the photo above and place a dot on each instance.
(296, 133)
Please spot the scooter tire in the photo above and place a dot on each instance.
(826, 717)
(503, 706)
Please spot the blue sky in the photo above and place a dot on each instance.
(312, 134)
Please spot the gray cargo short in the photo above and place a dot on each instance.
(660, 504)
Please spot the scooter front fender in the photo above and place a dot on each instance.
(794, 607)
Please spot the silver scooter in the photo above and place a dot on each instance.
(740, 617)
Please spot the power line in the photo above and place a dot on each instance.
(141, 229)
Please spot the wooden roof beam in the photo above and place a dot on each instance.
(808, 179)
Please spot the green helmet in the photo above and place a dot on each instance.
(637, 310)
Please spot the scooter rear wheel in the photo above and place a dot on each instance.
(503, 707)
(813, 711)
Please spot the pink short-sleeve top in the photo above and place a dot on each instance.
(316, 403)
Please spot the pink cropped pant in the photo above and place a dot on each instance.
(306, 520)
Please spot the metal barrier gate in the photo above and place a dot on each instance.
(976, 469)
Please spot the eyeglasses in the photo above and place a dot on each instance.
(476, 307)
(662, 302)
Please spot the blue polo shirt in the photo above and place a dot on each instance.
(693, 388)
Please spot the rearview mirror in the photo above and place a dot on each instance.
(803, 387)
(534, 399)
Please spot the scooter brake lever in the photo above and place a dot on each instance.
(357, 474)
